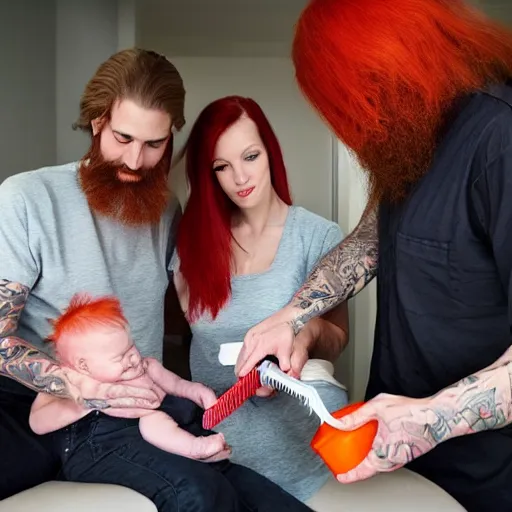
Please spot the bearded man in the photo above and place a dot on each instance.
(104, 225)
(420, 91)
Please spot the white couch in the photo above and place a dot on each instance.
(400, 491)
(77, 497)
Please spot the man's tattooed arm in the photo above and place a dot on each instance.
(340, 274)
(24, 363)
(411, 427)
(479, 402)
(482, 401)
(18, 359)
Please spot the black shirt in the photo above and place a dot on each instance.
(444, 287)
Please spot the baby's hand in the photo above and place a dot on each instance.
(202, 395)
(211, 448)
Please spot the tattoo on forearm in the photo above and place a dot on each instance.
(12, 300)
(340, 274)
(476, 403)
(25, 364)
(18, 359)
(479, 402)
(95, 404)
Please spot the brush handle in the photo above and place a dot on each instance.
(235, 396)
(343, 450)
(270, 359)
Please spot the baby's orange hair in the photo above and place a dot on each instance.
(85, 312)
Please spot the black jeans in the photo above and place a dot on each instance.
(102, 449)
(26, 459)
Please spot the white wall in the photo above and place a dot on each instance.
(48, 52)
(218, 28)
(498, 9)
(27, 85)
(126, 24)
(87, 34)
(352, 199)
(305, 141)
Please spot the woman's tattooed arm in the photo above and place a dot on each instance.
(340, 274)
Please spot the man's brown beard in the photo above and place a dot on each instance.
(396, 162)
(132, 203)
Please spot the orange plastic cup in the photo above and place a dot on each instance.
(344, 450)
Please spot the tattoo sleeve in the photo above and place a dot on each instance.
(340, 274)
(482, 401)
(18, 359)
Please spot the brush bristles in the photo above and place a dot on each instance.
(233, 398)
(280, 386)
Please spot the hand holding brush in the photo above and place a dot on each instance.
(341, 450)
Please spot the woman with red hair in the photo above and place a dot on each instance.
(421, 91)
(242, 250)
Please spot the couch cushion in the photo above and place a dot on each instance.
(78, 497)
(399, 491)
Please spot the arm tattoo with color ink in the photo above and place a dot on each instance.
(477, 403)
(341, 274)
(18, 359)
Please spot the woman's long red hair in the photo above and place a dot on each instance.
(383, 73)
(204, 235)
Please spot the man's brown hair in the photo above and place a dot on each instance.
(143, 76)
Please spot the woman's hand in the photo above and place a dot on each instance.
(91, 394)
(275, 336)
(408, 428)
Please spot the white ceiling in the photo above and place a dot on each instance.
(235, 27)
(188, 26)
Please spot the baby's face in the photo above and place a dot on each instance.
(107, 354)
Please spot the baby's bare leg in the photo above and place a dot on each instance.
(159, 429)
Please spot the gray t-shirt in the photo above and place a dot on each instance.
(271, 436)
(53, 243)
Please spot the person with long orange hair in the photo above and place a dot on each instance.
(420, 91)
(242, 248)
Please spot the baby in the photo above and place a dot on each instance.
(92, 337)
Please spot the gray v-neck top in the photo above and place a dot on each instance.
(270, 435)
